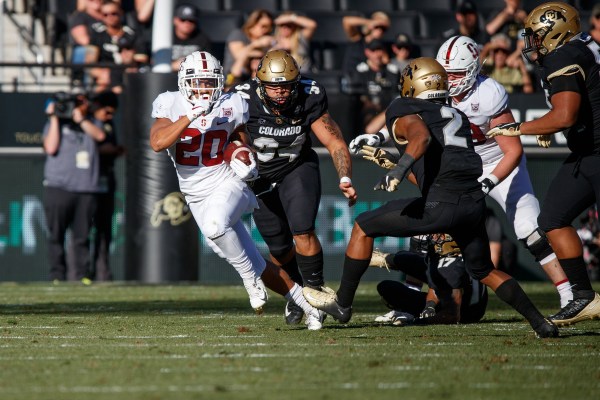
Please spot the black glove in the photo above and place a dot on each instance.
(392, 179)
(429, 310)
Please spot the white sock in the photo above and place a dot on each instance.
(565, 292)
(295, 295)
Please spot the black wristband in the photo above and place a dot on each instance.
(402, 167)
(381, 137)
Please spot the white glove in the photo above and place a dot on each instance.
(509, 129)
(362, 140)
(245, 172)
(195, 112)
(543, 141)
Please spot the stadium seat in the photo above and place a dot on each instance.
(218, 25)
(408, 22)
(420, 5)
(57, 27)
(489, 7)
(434, 23)
(203, 5)
(309, 5)
(249, 6)
(329, 27)
(368, 6)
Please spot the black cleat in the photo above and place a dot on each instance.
(546, 330)
(293, 313)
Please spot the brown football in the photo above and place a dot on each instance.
(237, 150)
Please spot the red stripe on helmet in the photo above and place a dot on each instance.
(450, 49)
(204, 62)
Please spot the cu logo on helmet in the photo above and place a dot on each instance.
(551, 16)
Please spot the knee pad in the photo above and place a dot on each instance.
(537, 244)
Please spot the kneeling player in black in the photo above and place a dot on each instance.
(284, 108)
(570, 74)
(453, 296)
(440, 155)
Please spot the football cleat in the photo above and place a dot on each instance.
(293, 313)
(546, 330)
(257, 292)
(577, 310)
(378, 260)
(395, 318)
(326, 300)
(314, 320)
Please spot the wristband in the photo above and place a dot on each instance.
(383, 136)
(493, 178)
(345, 179)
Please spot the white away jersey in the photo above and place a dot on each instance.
(198, 154)
(486, 100)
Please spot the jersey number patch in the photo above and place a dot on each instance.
(211, 153)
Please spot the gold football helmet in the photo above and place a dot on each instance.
(548, 27)
(424, 78)
(278, 68)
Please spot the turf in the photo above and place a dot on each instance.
(120, 341)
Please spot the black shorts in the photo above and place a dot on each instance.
(574, 189)
(290, 208)
(464, 220)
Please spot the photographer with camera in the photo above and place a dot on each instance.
(71, 182)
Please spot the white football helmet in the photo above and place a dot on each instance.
(460, 54)
(200, 79)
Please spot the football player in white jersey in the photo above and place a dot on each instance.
(505, 177)
(194, 125)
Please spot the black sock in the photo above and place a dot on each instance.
(511, 293)
(311, 268)
(398, 297)
(291, 267)
(576, 272)
(353, 271)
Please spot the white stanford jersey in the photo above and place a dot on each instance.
(486, 99)
(198, 154)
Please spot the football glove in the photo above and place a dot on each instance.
(245, 172)
(429, 310)
(195, 112)
(379, 156)
(392, 179)
(543, 141)
(488, 184)
(362, 140)
(508, 129)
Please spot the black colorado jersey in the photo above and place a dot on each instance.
(575, 67)
(450, 163)
(282, 141)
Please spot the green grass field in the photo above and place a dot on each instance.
(122, 341)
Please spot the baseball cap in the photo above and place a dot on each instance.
(403, 40)
(187, 12)
(375, 44)
(467, 7)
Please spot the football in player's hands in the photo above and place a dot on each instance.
(239, 151)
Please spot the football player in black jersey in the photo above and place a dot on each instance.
(439, 153)
(284, 109)
(570, 75)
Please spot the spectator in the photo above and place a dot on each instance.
(376, 80)
(187, 36)
(71, 184)
(514, 79)
(403, 50)
(293, 34)
(510, 20)
(103, 108)
(360, 31)
(595, 23)
(469, 24)
(81, 21)
(115, 43)
(244, 67)
(255, 34)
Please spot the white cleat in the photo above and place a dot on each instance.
(258, 294)
(326, 300)
(314, 320)
(395, 318)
